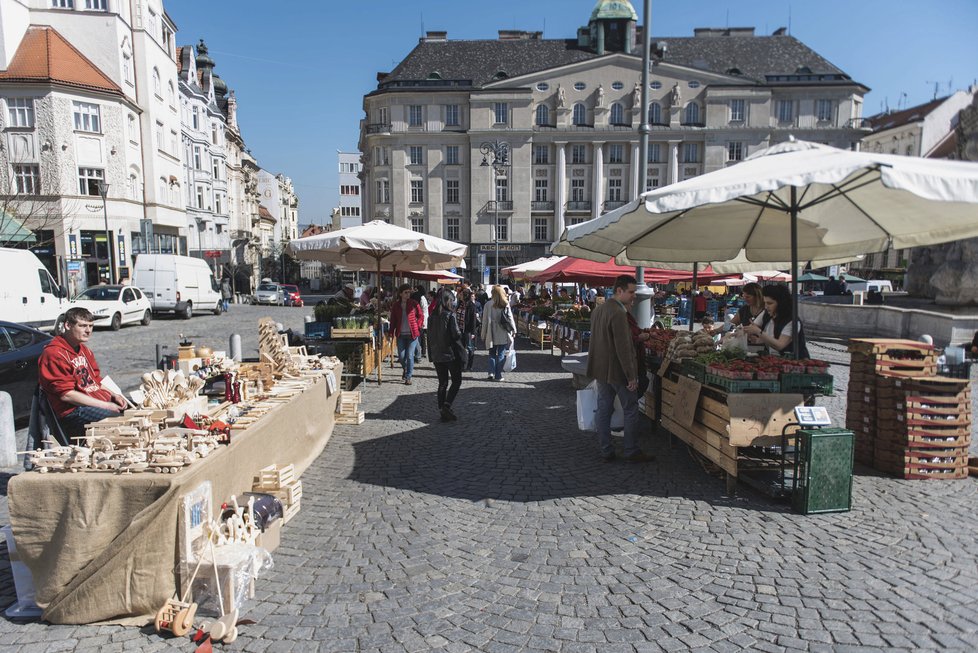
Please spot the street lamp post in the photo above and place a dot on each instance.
(495, 154)
(103, 190)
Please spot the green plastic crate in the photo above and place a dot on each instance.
(742, 385)
(820, 384)
(693, 369)
(823, 477)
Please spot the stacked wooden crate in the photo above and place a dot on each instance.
(281, 481)
(348, 408)
(923, 427)
(906, 420)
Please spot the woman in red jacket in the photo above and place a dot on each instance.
(406, 321)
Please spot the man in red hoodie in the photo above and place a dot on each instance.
(70, 377)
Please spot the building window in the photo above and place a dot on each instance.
(133, 186)
(541, 154)
(655, 153)
(20, 112)
(173, 142)
(198, 162)
(417, 224)
(417, 191)
(579, 86)
(453, 229)
(171, 94)
(158, 133)
(451, 115)
(127, 68)
(383, 191)
(692, 114)
(383, 116)
(543, 115)
(823, 110)
(195, 118)
(88, 179)
(87, 117)
(655, 113)
(451, 155)
(27, 179)
(164, 190)
(214, 134)
(416, 155)
(614, 190)
(580, 114)
(502, 228)
(217, 203)
(451, 191)
(540, 190)
(157, 88)
(216, 167)
(737, 110)
(691, 152)
(502, 189)
(616, 153)
(577, 190)
(735, 151)
(578, 153)
(651, 183)
(541, 229)
(63, 4)
(500, 112)
(786, 111)
(200, 197)
(617, 114)
(414, 115)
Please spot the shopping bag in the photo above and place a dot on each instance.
(510, 363)
(587, 408)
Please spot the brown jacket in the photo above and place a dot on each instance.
(611, 355)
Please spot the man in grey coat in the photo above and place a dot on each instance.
(612, 363)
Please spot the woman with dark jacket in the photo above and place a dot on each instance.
(467, 315)
(446, 351)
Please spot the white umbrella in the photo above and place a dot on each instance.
(795, 200)
(380, 246)
(536, 265)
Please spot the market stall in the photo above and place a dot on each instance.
(98, 525)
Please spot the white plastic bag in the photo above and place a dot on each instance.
(510, 363)
(587, 408)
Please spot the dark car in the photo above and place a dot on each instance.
(20, 347)
(292, 296)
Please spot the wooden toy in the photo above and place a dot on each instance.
(177, 615)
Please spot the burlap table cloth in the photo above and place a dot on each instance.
(103, 546)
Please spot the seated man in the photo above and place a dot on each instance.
(70, 377)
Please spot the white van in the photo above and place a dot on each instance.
(28, 293)
(177, 283)
(878, 285)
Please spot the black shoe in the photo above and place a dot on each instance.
(639, 457)
(608, 457)
(447, 415)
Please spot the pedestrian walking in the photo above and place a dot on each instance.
(612, 363)
(422, 349)
(446, 352)
(406, 321)
(226, 294)
(498, 327)
(469, 319)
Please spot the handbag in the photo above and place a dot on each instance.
(504, 320)
(510, 363)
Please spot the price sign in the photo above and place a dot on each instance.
(687, 398)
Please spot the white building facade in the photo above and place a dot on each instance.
(350, 205)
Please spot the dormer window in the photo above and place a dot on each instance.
(434, 75)
(500, 74)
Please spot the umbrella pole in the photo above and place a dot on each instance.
(794, 271)
(692, 296)
(380, 325)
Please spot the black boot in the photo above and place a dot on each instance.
(446, 413)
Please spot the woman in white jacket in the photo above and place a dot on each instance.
(498, 327)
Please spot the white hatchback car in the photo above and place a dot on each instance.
(114, 306)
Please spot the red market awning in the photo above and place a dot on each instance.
(579, 270)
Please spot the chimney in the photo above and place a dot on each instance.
(781, 31)
(519, 35)
(434, 37)
(714, 32)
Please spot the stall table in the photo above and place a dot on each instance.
(103, 546)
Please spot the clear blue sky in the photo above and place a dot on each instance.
(300, 69)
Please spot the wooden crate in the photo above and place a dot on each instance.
(290, 512)
(871, 346)
(350, 333)
(356, 418)
(289, 494)
(274, 477)
(540, 335)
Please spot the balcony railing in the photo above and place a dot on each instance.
(378, 128)
(493, 205)
(541, 206)
(579, 206)
(610, 205)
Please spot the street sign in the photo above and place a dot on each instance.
(485, 270)
(454, 270)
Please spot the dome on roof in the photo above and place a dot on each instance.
(220, 87)
(613, 9)
(203, 61)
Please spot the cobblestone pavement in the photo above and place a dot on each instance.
(505, 532)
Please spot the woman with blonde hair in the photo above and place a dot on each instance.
(498, 327)
(752, 307)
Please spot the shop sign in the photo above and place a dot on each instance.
(73, 246)
(213, 253)
(74, 266)
(503, 247)
(122, 247)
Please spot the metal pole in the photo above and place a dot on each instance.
(495, 218)
(692, 296)
(642, 307)
(103, 190)
(794, 271)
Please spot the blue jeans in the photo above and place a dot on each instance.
(73, 424)
(602, 418)
(405, 353)
(497, 356)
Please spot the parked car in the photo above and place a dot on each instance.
(177, 283)
(270, 293)
(114, 306)
(30, 296)
(20, 347)
(292, 295)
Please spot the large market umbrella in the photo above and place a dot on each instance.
(851, 278)
(527, 269)
(380, 246)
(584, 271)
(767, 275)
(811, 276)
(794, 200)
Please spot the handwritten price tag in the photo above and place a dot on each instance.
(687, 398)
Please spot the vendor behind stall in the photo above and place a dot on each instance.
(772, 328)
(71, 379)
